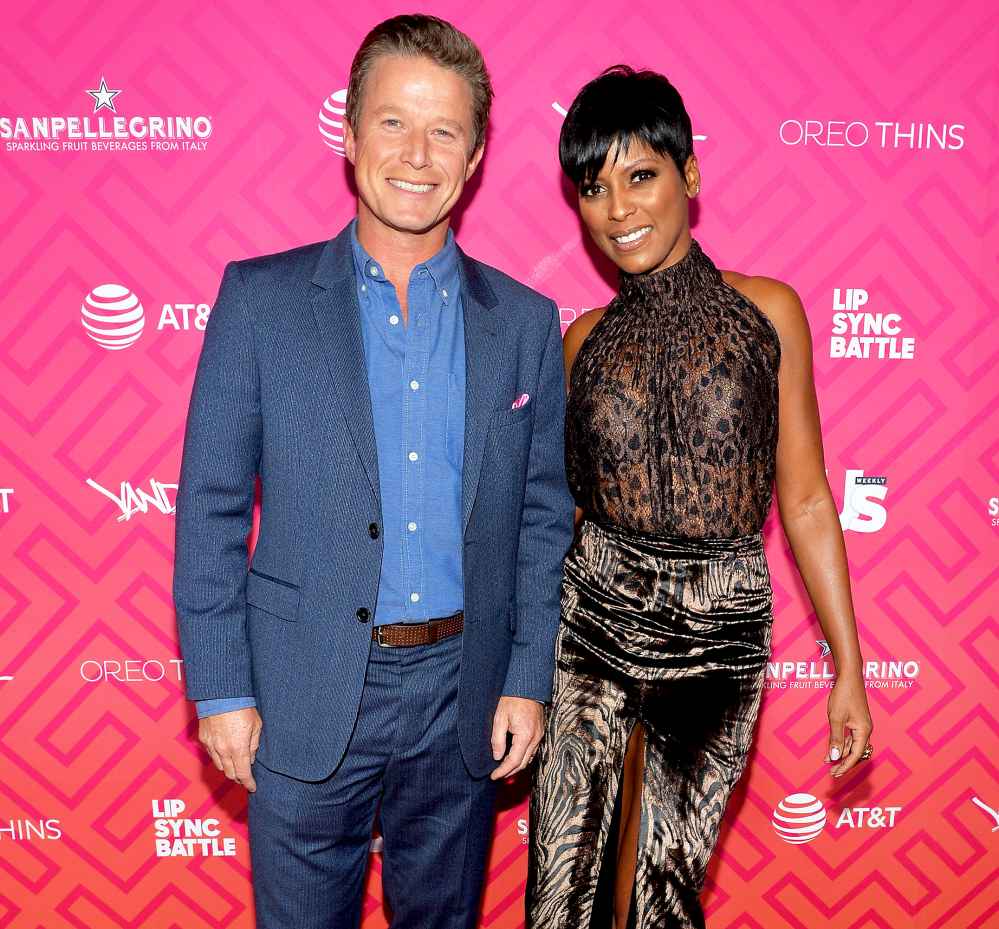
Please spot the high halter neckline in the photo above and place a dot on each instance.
(675, 284)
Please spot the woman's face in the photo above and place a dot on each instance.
(636, 209)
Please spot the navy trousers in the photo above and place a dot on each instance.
(309, 841)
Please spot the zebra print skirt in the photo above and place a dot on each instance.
(673, 633)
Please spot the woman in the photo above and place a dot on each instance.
(688, 394)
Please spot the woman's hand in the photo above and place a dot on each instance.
(850, 723)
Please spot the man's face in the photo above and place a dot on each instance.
(410, 149)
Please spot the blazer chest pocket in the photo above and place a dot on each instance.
(272, 595)
(504, 416)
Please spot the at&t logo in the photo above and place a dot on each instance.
(112, 316)
(801, 818)
(331, 115)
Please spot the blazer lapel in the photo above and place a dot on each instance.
(482, 347)
(338, 334)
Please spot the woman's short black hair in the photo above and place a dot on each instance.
(616, 107)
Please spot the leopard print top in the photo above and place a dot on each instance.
(671, 427)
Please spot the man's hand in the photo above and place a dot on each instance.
(231, 740)
(524, 720)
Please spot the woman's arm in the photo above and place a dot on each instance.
(811, 520)
(572, 341)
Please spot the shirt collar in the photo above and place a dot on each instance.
(442, 267)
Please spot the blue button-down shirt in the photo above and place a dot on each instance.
(416, 380)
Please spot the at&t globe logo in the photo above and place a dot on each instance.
(331, 120)
(799, 818)
(112, 316)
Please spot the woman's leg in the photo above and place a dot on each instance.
(576, 782)
(631, 820)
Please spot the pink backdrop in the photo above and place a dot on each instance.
(849, 149)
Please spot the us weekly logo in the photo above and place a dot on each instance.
(105, 129)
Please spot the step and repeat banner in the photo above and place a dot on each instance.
(851, 150)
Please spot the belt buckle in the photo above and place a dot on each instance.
(379, 641)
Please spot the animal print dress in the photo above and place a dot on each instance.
(671, 440)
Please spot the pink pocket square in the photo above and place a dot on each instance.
(522, 400)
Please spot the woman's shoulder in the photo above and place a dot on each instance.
(777, 301)
(582, 326)
(577, 332)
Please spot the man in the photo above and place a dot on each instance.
(390, 650)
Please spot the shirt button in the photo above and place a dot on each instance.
(414, 385)
(363, 614)
(373, 530)
(444, 293)
(411, 527)
(374, 271)
(394, 320)
(364, 287)
(414, 597)
(413, 456)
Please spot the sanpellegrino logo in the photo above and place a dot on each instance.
(112, 132)
(819, 673)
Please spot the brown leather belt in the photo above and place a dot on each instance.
(399, 635)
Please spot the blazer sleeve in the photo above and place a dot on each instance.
(545, 533)
(214, 508)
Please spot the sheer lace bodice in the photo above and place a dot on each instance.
(672, 418)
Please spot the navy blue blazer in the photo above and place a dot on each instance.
(281, 391)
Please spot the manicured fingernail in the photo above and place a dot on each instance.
(834, 753)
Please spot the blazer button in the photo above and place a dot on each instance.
(373, 530)
(363, 614)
